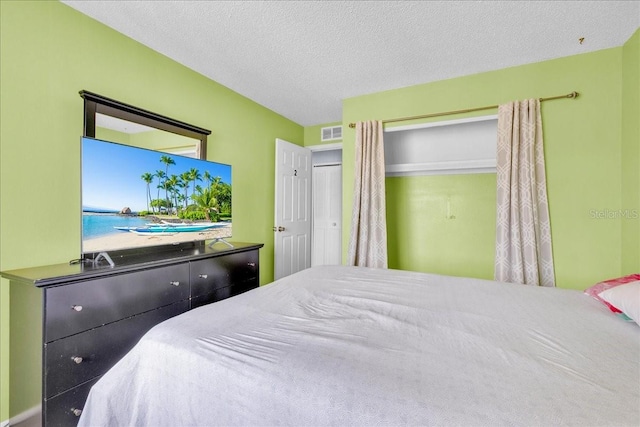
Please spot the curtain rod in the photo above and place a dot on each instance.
(571, 95)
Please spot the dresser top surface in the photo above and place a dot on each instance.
(51, 275)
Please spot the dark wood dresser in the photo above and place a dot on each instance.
(82, 318)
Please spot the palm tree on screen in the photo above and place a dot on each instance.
(166, 186)
(148, 178)
(207, 177)
(194, 174)
(173, 184)
(161, 176)
(186, 179)
(206, 201)
(181, 200)
(167, 160)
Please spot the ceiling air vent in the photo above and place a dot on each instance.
(331, 133)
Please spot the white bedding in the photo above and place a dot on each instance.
(350, 346)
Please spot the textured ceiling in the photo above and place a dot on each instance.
(302, 58)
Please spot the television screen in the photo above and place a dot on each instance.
(133, 198)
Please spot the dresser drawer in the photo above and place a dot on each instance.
(64, 410)
(218, 273)
(242, 267)
(73, 360)
(207, 275)
(81, 306)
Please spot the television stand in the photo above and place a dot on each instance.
(219, 239)
(105, 256)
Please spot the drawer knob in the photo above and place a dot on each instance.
(251, 264)
(76, 307)
(76, 412)
(203, 276)
(174, 283)
(77, 359)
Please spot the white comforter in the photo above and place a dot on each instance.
(351, 346)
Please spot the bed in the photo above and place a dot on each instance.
(354, 346)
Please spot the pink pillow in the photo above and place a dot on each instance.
(608, 284)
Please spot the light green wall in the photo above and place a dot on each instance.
(312, 135)
(49, 53)
(25, 379)
(631, 154)
(431, 221)
(4, 351)
(583, 153)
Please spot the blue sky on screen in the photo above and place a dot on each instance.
(111, 174)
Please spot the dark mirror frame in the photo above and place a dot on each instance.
(94, 103)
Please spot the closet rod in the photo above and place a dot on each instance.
(571, 95)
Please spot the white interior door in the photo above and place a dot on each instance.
(327, 215)
(292, 230)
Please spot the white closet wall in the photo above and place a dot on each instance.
(445, 147)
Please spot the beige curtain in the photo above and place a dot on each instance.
(368, 241)
(523, 231)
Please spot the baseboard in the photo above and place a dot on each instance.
(4, 423)
(23, 416)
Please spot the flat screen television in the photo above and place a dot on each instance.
(138, 198)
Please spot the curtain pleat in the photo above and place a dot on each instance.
(523, 230)
(368, 239)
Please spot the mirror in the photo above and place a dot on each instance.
(113, 129)
(111, 120)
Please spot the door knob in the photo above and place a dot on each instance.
(278, 228)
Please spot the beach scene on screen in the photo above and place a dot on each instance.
(134, 197)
